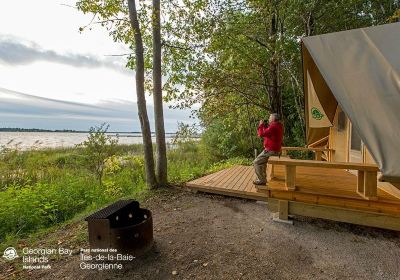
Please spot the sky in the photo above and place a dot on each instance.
(54, 77)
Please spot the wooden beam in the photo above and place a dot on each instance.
(357, 202)
(306, 149)
(317, 151)
(290, 177)
(242, 194)
(322, 140)
(338, 214)
(324, 164)
(390, 188)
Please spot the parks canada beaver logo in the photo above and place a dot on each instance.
(10, 253)
(316, 114)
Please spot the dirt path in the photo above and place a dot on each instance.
(201, 236)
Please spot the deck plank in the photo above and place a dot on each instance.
(228, 177)
(241, 186)
(240, 173)
(212, 178)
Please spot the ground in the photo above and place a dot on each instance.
(200, 236)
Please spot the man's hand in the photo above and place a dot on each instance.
(261, 122)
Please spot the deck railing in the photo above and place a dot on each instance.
(366, 173)
(317, 151)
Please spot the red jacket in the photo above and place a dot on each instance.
(273, 136)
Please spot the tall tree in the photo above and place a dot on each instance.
(161, 156)
(125, 24)
(141, 99)
(275, 97)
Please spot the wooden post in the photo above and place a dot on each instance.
(367, 185)
(318, 155)
(330, 155)
(360, 181)
(284, 153)
(370, 185)
(290, 177)
(283, 210)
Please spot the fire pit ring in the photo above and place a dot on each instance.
(122, 225)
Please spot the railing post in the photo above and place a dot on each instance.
(290, 177)
(370, 185)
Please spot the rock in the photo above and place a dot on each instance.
(205, 264)
(174, 272)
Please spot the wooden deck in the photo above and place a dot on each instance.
(317, 186)
(236, 181)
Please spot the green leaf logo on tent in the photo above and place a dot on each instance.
(316, 114)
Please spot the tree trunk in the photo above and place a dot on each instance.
(310, 25)
(141, 99)
(274, 88)
(161, 158)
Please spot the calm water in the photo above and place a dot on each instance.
(40, 140)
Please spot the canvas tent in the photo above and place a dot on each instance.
(359, 70)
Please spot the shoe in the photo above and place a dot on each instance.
(259, 183)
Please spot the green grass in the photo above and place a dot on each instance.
(42, 189)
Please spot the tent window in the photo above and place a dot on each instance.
(355, 140)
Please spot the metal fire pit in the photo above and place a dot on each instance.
(122, 225)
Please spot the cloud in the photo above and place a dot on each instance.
(19, 109)
(14, 51)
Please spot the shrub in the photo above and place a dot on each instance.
(98, 147)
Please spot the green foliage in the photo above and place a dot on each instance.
(185, 133)
(47, 187)
(395, 17)
(97, 148)
(223, 141)
(30, 207)
(42, 188)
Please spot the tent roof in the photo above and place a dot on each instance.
(361, 67)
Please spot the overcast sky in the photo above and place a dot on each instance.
(53, 77)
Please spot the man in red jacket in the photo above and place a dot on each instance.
(273, 137)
